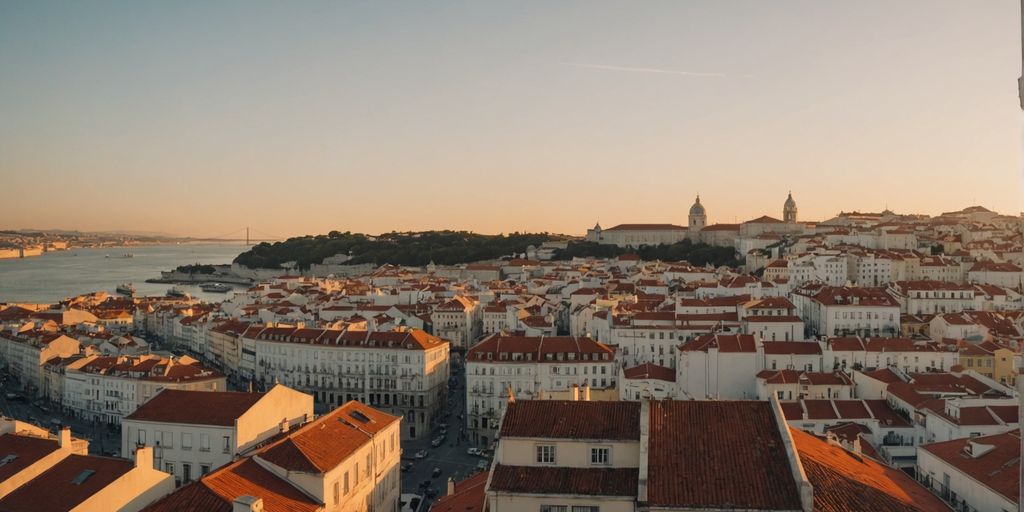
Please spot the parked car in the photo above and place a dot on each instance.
(422, 454)
(436, 473)
(406, 466)
(473, 451)
(432, 492)
(410, 503)
(482, 465)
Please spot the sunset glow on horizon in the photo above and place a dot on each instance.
(200, 119)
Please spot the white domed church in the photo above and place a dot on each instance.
(636, 235)
(697, 229)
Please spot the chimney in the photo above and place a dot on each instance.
(575, 392)
(64, 437)
(451, 486)
(284, 425)
(246, 503)
(586, 392)
(144, 457)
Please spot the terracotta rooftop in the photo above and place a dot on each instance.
(566, 419)
(844, 481)
(695, 449)
(650, 371)
(723, 342)
(196, 407)
(791, 347)
(539, 349)
(27, 449)
(322, 444)
(216, 491)
(565, 480)
(999, 469)
(469, 495)
(55, 489)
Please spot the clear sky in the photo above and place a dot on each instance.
(200, 117)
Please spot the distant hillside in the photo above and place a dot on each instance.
(413, 249)
(697, 254)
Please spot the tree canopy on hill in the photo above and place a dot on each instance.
(699, 254)
(196, 269)
(413, 249)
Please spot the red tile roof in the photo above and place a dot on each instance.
(718, 454)
(27, 449)
(469, 495)
(723, 342)
(322, 444)
(999, 469)
(844, 481)
(565, 480)
(566, 419)
(539, 348)
(53, 490)
(196, 407)
(650, 371)
(216, 491)
(791, 347)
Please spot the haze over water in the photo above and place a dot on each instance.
(56, 275)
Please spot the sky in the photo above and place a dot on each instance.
(199, 118)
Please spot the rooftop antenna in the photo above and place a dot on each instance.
(247, 235)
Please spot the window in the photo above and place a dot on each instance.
(186, 472)
(344, 480)
(204, 469)
(142, 436)
(336, 493)
(169, 467)
(227, 444)
(585, 508)
(186, 441)
(600, 456)
(554, 508)
(545, 454)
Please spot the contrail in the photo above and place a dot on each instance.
(606, 67)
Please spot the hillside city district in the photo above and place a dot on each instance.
(865, 362)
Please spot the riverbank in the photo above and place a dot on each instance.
(54, 276)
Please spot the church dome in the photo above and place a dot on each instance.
(790, 203)
(697, 208)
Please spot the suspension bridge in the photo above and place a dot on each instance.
(246, 235)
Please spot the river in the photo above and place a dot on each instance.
(56, 275)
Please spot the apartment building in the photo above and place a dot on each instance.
(525, 367)
(106, 389)
(344, 461)
(559, 456)
(24, 353)
(195, 432)
(404, 372)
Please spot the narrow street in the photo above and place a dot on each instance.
(451, 456)
(102, 439)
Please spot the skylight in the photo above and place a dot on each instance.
(83, 476)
